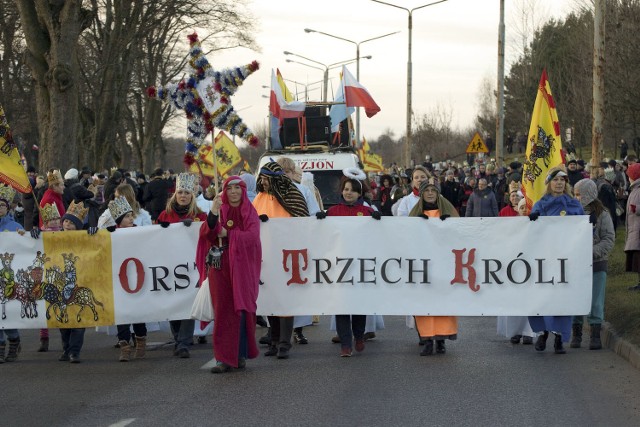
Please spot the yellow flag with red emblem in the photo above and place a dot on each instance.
(12, 171)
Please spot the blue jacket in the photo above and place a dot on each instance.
(8, 224)
(562, 205)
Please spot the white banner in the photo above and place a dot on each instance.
(395, 266)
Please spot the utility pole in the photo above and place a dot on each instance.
(500, 101)
(597, 130)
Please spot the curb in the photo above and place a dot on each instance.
(620, 346)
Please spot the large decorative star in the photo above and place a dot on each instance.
(205, 98)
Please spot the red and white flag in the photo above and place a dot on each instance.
(278, 106)
(356, 95)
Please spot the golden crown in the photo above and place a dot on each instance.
(119, 207)
(7, 193)
(49, 212)
(78, 210)
(187, 182)
(54, 177)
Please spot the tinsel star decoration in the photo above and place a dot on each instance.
(205, 96)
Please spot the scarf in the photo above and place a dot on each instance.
(284, 190)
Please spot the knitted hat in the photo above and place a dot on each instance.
(71, 174)
(430, 182)
(633, 172)
(588, 191)
(187, 182)
(7, 194)
(118, 208)
(54, 177)
(49, 212)
(522, 201)
(610, 174)
(76, 213)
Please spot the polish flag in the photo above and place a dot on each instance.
(356, 95)
(280, 108)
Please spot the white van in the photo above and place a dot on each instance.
(325, 165)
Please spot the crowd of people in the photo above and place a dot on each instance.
(229, 251)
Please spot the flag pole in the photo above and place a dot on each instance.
(215, 162)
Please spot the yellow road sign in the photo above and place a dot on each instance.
(477, 145)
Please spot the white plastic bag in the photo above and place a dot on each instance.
(202, 308)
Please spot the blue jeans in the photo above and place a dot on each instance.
(124, 331)
(182, 331)
(72, 340)
(349, 326)
(12, 334)
(596, 315)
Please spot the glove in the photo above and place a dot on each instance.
(164, 224)
(264, 218)
(35, 233)
(187, 222)
(111, 229)
(376, 215)
(423, 216)
(443, 217)
(593, 218)
(534, 216)
(92, 230)
(321, 214)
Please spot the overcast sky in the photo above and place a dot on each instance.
(454, 47)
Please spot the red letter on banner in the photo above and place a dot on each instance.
(460, 265)
(295, 264)
(124, 280)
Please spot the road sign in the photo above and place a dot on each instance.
(477, 145)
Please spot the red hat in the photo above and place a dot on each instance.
(633, 171)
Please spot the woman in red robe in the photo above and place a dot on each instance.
(233, 227)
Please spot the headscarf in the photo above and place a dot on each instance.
(284, 190)
(250, 181)
(444, 206)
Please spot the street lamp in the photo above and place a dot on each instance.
(309, 30)
(407, 145)
(306, 85)
(325, 69)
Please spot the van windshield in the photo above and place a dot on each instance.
(328, 183)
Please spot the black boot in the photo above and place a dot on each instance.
(440, 348)
(14, 350)
(266, 339)
(594, 341)
(427, 350)
(515, 339)
(2, 348)
(273, 349)
(576, 336)
(541, 342)
(557, 345)
(299, 336)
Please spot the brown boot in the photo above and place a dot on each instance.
(44, 345)
(141, 347)
(125, 351)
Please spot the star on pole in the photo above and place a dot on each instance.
(205, 96)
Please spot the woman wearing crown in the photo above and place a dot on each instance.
(231, 240)
(182, 207)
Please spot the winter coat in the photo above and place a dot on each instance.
(632, 219)
(482, 203)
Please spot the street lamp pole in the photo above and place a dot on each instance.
(407, 145)
(309, 30)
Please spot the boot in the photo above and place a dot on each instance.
(576, 336)
(541, 342)
(440, 348)
(594, 340)
(2, 347)
(44, 345)
(427, 350)
(299, 336)
(125, 351)
(557, 345)
(273, 349)
(141, 347)
(14, 349)
(266, 338)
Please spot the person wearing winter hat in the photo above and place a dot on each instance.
(432, 204)
(632, 222)
(71, 174)
(556, 202)
(604, 236)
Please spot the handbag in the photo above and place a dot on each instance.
(202, 308)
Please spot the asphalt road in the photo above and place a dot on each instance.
(483, 380)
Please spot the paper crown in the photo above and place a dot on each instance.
(78, 210)
(119, 207)
(49, 212)
(54, 177)
(514, 186)
(187, 182)
(7, 194)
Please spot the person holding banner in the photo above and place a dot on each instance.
(557, 201)
(278, 197)
(352, 204)
(182, 207)
(432, 204)
(407, 203)
(604, 237)
(230, 238)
